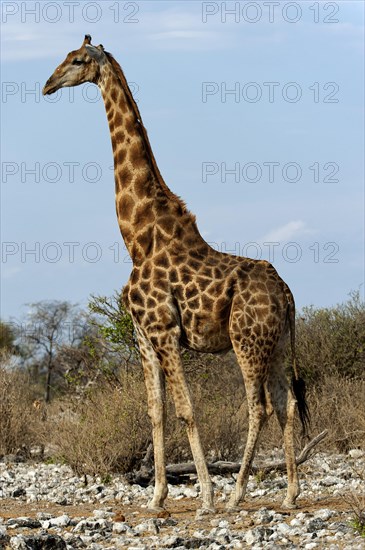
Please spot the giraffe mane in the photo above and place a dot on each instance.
(123, 81)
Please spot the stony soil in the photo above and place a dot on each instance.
(48, 507)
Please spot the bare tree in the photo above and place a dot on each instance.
(49, 325)
(107, 349)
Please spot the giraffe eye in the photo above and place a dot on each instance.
(77, 62)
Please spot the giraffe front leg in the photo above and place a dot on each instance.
(158, 435)
(156, 398)
(201, 468)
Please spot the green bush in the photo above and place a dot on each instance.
(331, 341)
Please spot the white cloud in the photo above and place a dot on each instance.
(158, 27)
(184, 34)
(286, 232)
(22, 42)
(181, 28)
(170, 27)
(174, 26)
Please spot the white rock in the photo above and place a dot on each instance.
(60, 521)
(80, 527)
(190, 493)
(103, 514)
(121, 527)
(223, 523)
(223, 532)
(328, 481)
(150, 526)
(325, 473)
(201, 533)
(283, 528)
(301, 516)
(250, 537)
(324, 513)
(356, 453)
(227, 490)
(18, 543)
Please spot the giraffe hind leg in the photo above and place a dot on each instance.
(258, 411)
(284, 405)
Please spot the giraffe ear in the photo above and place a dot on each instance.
(95, 52)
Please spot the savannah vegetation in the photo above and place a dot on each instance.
(72, 390)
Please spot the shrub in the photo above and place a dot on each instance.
(338, 405)
(19, 419)
(331, 341)
(104, 426)
(106, 430)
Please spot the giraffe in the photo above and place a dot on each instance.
(183, 293)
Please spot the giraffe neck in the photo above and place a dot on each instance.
(148, 212)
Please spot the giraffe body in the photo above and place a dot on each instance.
(181, 292)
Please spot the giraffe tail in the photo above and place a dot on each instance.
(298, 383)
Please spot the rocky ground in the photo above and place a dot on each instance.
(47, 507)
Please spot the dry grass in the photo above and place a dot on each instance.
(357, 506)
(19, 420)
(107, 429)
(339, 406)
(336, 405)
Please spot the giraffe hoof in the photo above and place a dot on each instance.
(202, 512)
(156, 509)
(289, 505)
(233, 509)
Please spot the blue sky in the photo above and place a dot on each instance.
(255, 118)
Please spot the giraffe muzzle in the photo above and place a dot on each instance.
(50, 87)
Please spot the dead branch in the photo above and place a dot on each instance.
(175, 472)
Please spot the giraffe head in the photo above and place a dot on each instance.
(82, 65)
